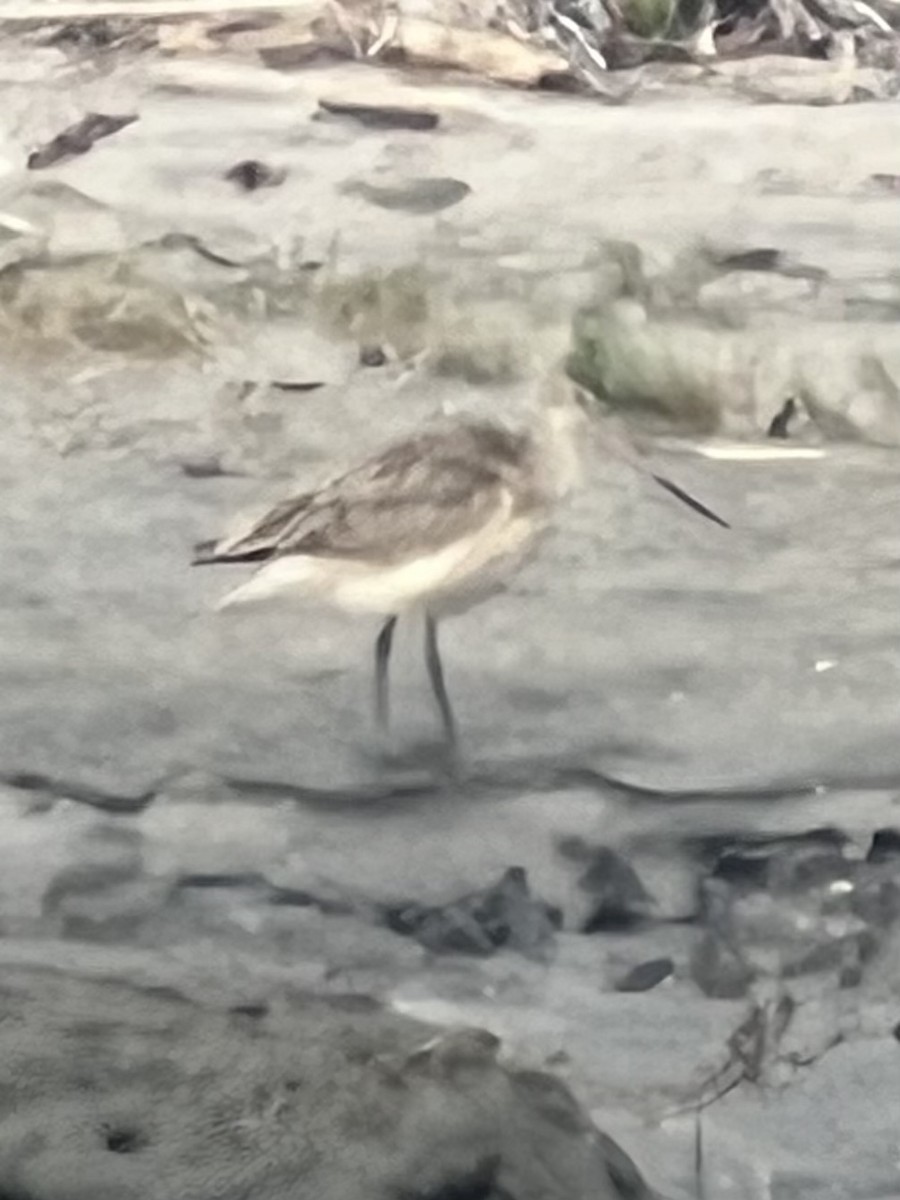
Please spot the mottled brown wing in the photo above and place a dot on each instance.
(419, 494)
(259, 542)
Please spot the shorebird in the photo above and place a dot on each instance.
(432, 524)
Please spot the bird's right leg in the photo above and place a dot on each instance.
(382, 656)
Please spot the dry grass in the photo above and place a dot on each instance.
(98, 303)
(377, 308)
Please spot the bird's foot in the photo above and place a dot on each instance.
(436, 757)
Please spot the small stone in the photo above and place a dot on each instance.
(380, 116)
(251, 174)
(420, 196)
(205, 467)
(372, 356)
(646, 975)
(885, 846)
(503, 915)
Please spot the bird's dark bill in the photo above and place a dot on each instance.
(686, 498)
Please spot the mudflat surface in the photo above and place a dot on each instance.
(715, 711)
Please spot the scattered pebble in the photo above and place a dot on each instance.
(381, 116)
(372, 356)
(298, 385)
(252, 174)
(421, 196)
(646, 975)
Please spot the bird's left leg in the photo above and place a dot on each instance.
(436, 678)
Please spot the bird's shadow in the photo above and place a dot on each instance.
(434, 756)
(431, 770)
(415, 771)
(422, 771)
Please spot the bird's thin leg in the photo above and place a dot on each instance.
(382, 655)
(436, 677)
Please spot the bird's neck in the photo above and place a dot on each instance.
(562, 435)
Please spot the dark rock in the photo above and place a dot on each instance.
(503, 915)
(122, 1141)
(742, 869)
(884, 182)
(193, 1101)
(421, 196)
(785, 907)
(381, 116)
(760, 259)
(646, 975)
(251, 174)
(620, 900)
(767, 260)
(217, 880)
(207, 467)
(298, 385)
(257, 1011)
(885, 846)
(372, 356)
(77, 139)
(779, 426)
(812, 857)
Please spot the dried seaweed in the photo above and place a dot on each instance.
(77, 139)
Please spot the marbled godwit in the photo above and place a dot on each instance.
(433, 524)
